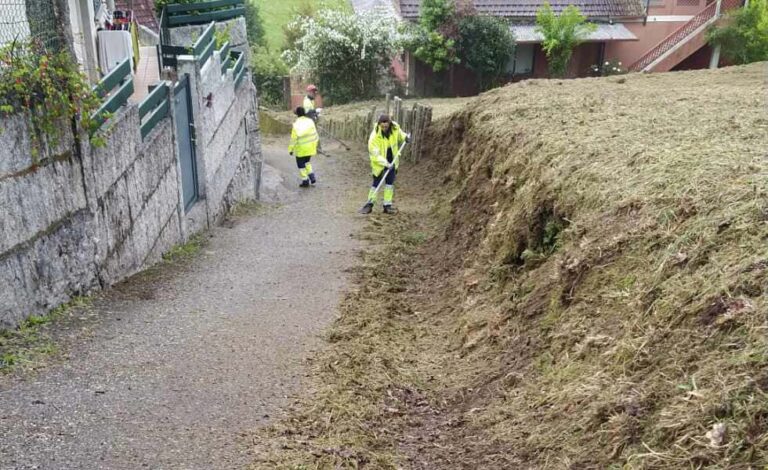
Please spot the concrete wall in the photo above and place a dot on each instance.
(187, 35)
(75, 218)
(226, 123)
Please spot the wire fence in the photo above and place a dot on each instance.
(31, 20)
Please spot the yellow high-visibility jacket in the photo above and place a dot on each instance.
(304, 138)
(309, 105)
(378, 145)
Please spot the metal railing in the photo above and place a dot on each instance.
(203, 47)
(155, 107)
(705, 16)
(225, 58)
(239, 67)
(114, 89)
(203, 12)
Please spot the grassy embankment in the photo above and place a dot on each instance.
(578, 279)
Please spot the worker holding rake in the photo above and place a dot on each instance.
(385, 144)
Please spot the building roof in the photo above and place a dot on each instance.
(526, 33)
(363, 6)
(143, 11)
(528, 8)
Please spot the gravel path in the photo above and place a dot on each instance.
(179, 366)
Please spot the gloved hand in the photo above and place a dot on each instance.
(408, 137)
(290, 153)
(388, 165)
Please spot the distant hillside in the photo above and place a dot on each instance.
(277, 13)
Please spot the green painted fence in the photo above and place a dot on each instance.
(203, 12)
(119, 78)
(155, 107)
(225, 59)
(239, 67)
(203, 47)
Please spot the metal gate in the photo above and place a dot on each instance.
(185, 138)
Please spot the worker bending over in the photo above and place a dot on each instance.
(384, 149)
(304, 146)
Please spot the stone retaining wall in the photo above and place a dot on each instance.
(75, 219)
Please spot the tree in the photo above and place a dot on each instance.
(562, 34)
(743, 37)
(431, 39)
(268, 71)
(431, 47)
(253, 24)
(485, 46)
(434, 14)
(348, 56)
(293, 31)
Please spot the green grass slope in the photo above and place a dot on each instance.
(277, 13)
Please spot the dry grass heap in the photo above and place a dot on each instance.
(614, 238)
(595, 294)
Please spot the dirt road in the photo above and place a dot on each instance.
(178, 366)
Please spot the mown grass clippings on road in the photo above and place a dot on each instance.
(364, 382)
(31, 345)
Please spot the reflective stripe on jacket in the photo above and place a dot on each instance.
(303, 138)
(378, 146)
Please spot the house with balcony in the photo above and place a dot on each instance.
(644, 35)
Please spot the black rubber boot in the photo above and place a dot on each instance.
(390, 210)
(367, 208)
(312, 179)
(304, 184)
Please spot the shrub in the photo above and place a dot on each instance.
(49, 86)
(253, 24)
(433, 39)
(268, 71)
(348, 56)
(562, 33)
(610, 67)
(744, 36)
(486, 45)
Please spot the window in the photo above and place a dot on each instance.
(522, 63)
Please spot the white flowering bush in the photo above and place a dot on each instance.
(610, 67)
(347, 56)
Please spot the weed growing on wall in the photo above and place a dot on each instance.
(47, 86)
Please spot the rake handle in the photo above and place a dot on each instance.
(386, 173)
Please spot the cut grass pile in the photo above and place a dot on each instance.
(613, 290)
(588, 290)
(441, 107)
